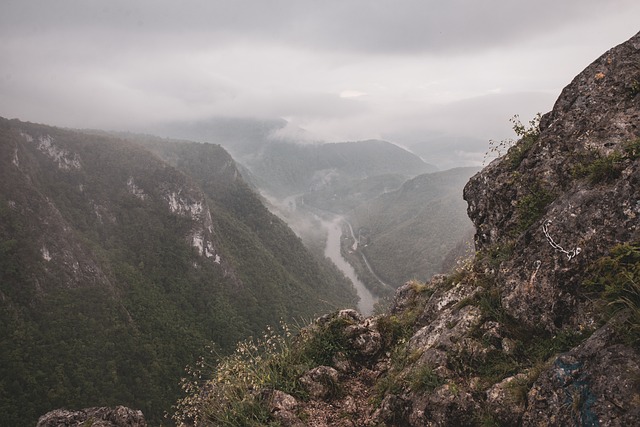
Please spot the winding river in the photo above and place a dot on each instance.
(332, 251)
(332, 224)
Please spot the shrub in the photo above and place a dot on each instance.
(424, 379)
(495, 255)
(229, 393)
(321, 345)
(232, 391)
(632, 149)
(397, 378)
(616, 280)
(634, 88)
(601, 169)
(532, 206)
(516, 150)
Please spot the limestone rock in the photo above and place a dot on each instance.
(445, 406)
(553, 222)
(283, 407)
(506, 401)
(364, 338)
(120, 416)
(594, 384)
(320, 382)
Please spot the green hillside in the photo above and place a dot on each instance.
(407, 233)
(118, 268)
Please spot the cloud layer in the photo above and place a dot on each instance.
(408, 70)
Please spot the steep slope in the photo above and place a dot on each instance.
(117, 269)
(407, 233)
(216, 173)
(542, 327)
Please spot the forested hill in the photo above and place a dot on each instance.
(118, 267)
(407, 233)
(286, 168)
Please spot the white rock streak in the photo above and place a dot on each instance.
(135, 190)
(198, 211)
(45, 253)
(65, 159)
(182, 206)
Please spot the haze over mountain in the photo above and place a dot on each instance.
(124, 256)
(118, 268)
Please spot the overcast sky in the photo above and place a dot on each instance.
(406, 71)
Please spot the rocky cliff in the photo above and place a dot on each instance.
(540, 328)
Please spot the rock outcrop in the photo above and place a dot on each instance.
(516, 338)
(561, 200)
(120, 416)
(523, 333)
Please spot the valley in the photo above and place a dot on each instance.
(334, 229)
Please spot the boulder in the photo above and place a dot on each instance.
(120, 416)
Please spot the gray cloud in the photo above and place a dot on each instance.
(384, 26)
(350, 69)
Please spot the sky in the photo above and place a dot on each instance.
(438, 77)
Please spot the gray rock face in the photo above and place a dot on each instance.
(120, 416)
(320, 382)
(543, 203)
(283, 406)
(594, 384)
(544, 213)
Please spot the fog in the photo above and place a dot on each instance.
(416, 73)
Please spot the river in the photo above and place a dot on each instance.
(332, 251)
(332, 224)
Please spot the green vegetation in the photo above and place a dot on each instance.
(126, 301)
(528, 348)
(497, 254)
(528, 136)
(601, 169)
(516, 150)
(598, 168)
(396, 331)
(532, 206)
(364, 274)
(634, 88)
(400, 327)
(531, 347)
(615, 279)
(398, 378)
(232, 392)
(424, 379)
(413, 229)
